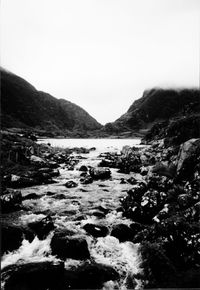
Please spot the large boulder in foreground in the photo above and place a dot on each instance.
(100, 173)
(32, 276)
(90, 276)
(65, 246)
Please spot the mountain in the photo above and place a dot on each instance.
(25, 107)
(156, 105)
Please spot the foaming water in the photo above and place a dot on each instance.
(35, 251)
(123, 257)
(72, 208)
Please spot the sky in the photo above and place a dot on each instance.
(102, 54)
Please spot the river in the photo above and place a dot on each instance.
(73, 208)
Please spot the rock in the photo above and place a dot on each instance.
(136, 228)
(43, 227)
(90, 276)
(83, 168)
(83, 174)
(187, 158)
(86, 180)
(102, 209)
(65, 246)
(100, 173)
(31, 196)
(13, 235)
(164, 170)
(92, 149)
(71, 184)
(53, 164)
(132, 180)
(37, 160)
(11, 200)
(123, 181)
(97, 213)
(96, 230)
(122, 232)
(185, 200)
(36, 275)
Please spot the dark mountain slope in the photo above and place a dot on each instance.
(23, 106)
(155, 105)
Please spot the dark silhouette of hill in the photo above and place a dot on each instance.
(156, 105)
(23, 106)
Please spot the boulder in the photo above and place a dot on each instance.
(31, 196)
(11, 200)
(71, 184)
(36, 275)
(187, 158)
(83, 168)
(42, 227)
(13, 235)
(165, 170)
(90, 276)
(65, 246)
(100, 173)
(96, 230)
(86, 180)
(37, 160)
(122, 232)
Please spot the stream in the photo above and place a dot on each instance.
(72, 208)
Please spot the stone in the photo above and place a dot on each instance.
(187, 158)
(13, 235)
(74, 247)
(100, 173)
(86, 180)
(71, 184)
(36, 275)
(42, 227)
(37, 160)
(122, 232)
(96, 230)
(90, 276)
(11, 200)
(83, 168)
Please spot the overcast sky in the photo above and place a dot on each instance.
(101, 54)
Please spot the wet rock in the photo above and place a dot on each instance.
(13, 235)
(100, 173)
(50, 193)
(71, 184)
(11, 200)
(136, 228)
(123, 181)
(132, 180)
(86, 180)
(90, 276)
(43, 227)
(37, 160)
(21, 181)
(96, 230)
(31, 196)
(122, 232)
(83, 168)
(188, 158)
(102, 209)
(65, 246)
(60, 196)
(164, 170)
(185, 200)
(37, 275)
(53, 164)
(92, 149)
(97, 213)
(83, 174)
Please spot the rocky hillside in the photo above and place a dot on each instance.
(23, 106)
(156, 105)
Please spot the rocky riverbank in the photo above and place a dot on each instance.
(126, 219)
(165, 209)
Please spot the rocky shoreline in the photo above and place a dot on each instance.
(162, 206)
